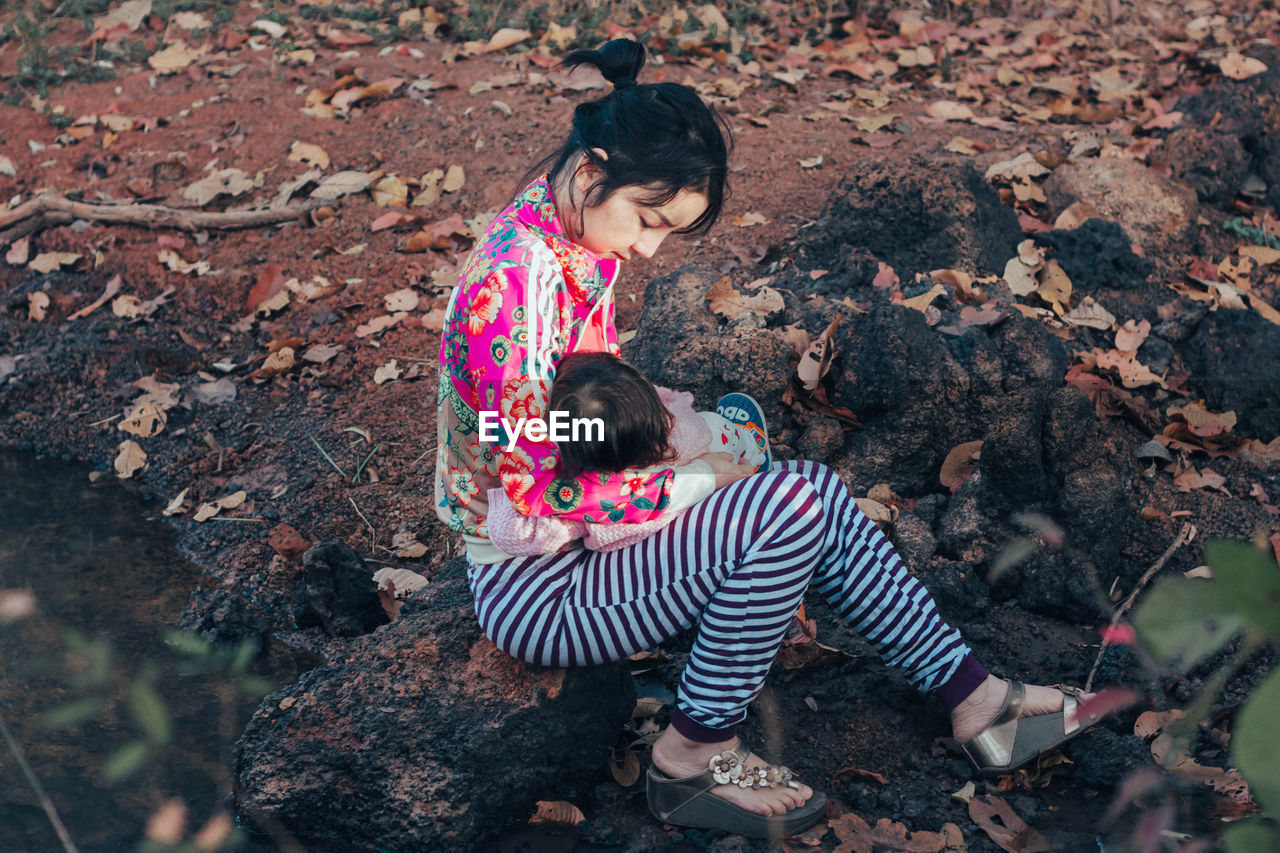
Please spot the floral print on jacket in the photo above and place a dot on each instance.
(526, 297)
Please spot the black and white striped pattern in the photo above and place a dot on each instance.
(741, 561)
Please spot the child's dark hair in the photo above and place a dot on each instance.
(636, 424)
(659, 135)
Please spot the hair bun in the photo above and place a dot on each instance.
(619, 61)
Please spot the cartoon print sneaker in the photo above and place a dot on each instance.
(742, 410)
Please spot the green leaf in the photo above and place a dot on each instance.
(1250, 580)
(190, 644)
(616, 515)
(70, 713)
(149, 712)
(245, 654)
(641, 502)
(1182, 621)
(125, 761)
(256, 685)
(1251, 836)
(1255, 744)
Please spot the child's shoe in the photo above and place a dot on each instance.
(743, 411)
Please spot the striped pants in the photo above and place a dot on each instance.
(740, 560)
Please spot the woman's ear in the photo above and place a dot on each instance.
(587, 173)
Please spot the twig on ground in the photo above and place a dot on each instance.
(49, 209)
(45, 802)
(1185, 535)
(327, 457)
(373, 534)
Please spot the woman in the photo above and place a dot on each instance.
(640, 164)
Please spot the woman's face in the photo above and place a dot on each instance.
(622, 227)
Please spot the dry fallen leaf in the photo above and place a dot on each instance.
(958, 463)
(811, 163)
(37, 305)
(950, 111)
(379, 324)
(1055, 287)
(625, 769)
(1001, 823)
(746, 220)
(1091, 314)
(341, 183)
(1131, 335)
(208, 510)
(312, 155)
(454, 178)
(390, 191)
(505, 38)
(231, 182)
(18, 252)
(47, 262)
(732, 304)
(130, 458)
(386, 372)
(1076, 214)
(144, 420)
(1239, 67)
(557, 813)
(404, 299)
(175, 57)
(961, 145)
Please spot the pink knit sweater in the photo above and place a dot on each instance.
(524, 535)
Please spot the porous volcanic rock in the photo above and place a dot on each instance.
(915, 213)
(681, 344)
(225, 617)
(424, 735)
(336, 592)
(1097, 255)
(1156, 212)
(1235, 360)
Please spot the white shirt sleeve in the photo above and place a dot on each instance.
(693, 482)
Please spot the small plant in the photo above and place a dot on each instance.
(1260, 237)
(1182, 622)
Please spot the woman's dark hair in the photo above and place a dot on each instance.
(636, 424)
(657, 135)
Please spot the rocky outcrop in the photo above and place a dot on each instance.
(1155, 212)
(424, 736)
(1235, 360)
(336, 592)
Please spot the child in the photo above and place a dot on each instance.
(643, 426)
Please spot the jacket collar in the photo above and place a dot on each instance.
(587, 275)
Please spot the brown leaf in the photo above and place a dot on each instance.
(1206, 479)
(313, 155)
(959, 463)
(1131, 335)
(208, 510)
(950, 111)
(144, 420)
(130, 459)
(391, 219)
(625, 769)
(275, 363)
(270, 282)
(886, 835)
(557, 813)
(1003, 826)
(175, 57)
(505, 38)
(1203, 422)
(1075, 215)
(47, 262)
(732, 304)
(816, 360)
(18, 252)
(454, 178)
(37, 305)
(1239, 67)
(746, 220)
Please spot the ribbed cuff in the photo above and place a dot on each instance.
(699, 733)
(967, 678)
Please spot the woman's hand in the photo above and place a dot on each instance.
(726, 470)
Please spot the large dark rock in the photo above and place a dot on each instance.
(424, 736)
(1156, 213)
(681, 344)
(1235, 360)
(336, 592)
(916, 213)
(1097, 255)
(225, 617)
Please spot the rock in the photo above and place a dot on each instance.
(424, 736)
(914, 541)
(913, 398)
(1155, 212)
(822, 441)
(1102, 759)
(681, 344)
(958, 590)
(1212, 162)
(1097, 255)
(337, 592)
(964, 531)
(286, 541)
(918, 213)
(1235, 362)
(225, 617)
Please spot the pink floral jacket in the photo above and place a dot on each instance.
(526, 296)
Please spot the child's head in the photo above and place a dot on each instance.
(636, 424)
(659, 144)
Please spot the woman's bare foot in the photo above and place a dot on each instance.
(678, 757)
(985, 704)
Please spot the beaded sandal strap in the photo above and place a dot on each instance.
(729, 768)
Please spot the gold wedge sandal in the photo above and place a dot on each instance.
(688, 801)
(1011, 740)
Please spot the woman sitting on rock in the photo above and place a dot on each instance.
(641, 163)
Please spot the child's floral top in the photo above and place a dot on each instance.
(526, 296)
